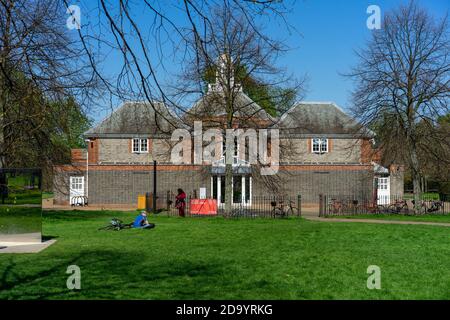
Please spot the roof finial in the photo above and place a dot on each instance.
(224, 74)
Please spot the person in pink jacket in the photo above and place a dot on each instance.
(180, 202)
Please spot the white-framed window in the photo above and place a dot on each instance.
(319, 145)
(139, 145)
(236, 150)
(77, 183)
(382, 183)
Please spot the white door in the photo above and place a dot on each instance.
(242, 190)
(76, 190)
(384, 191)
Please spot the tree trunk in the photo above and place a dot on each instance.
(3, 92)
(417, 189)
(2, 114)
(228, 188)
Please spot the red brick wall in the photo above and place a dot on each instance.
(93, 151)
(78, 155)
(368, 154)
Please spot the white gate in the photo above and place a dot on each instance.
(77, 191)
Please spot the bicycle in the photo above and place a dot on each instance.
(337, 207)
(371, 208)
(242, 212)
(435, 206)
(283, 210)
(116, 225)
(422, 208)
(399, 207)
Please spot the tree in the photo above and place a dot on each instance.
(235, 58)
(402, 87)
(40, 65)
(146, 48)
(41, 132)
(274, 99)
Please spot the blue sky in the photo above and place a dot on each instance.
(328, 33)
(331, 30)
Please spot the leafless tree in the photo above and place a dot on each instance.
(402, 87)
(234, 55)
(147, 38)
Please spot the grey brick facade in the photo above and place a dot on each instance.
(124, 186)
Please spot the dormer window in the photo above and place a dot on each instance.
(319, 145)
(140, 145)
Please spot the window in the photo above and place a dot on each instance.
(140, 145)
(382, 183)
(144, 145)
(76, 183)
(319, 145)
(236, 149)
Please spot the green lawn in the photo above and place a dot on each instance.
(424, 196)
(214, 258)
(17, 219)
(398, 217)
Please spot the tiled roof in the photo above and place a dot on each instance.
(137, 118)
(319, 118)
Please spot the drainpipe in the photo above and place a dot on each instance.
(154, 187)
(87, 168)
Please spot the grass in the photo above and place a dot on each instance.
(425, 196)
(215, 258)
(20, 190)
(398, 217)
(15, 220)
(22, 197)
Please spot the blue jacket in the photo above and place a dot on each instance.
(139, 221)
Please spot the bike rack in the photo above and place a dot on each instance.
(79, 201)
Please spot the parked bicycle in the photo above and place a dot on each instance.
(436, 206)
(282, 210)
(399, 207)
(371, 208)
(242, 212)
(337, 207)
(432, 206)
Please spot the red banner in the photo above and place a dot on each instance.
(203, 206)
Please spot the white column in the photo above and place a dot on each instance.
(243, 190)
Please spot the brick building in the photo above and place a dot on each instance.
(322, 150)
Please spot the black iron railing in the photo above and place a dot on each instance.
(392, 204)
(253, 207)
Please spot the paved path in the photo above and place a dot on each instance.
(25, 248)
(314, 218)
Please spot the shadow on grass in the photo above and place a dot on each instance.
(48, 237)
(104, 274)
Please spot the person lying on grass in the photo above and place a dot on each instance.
(140, 222)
